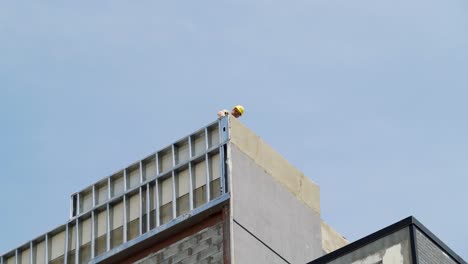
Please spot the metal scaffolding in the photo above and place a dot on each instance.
(147, 197)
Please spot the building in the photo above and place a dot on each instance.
(406, 242)
(219, 195)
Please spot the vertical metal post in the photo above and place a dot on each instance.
(174, 199)
(93, 230)
(109, 188)
(223, 132)
(190, 174)
(148, 202)
(174, 161)
(65, 254)
(108, 224)
(222, 169)
(46, 255)
(141, 172)
(125, 219)
(190, 147)
(17, 257)
(78, 209)
(219, 132)
(125, 180)
(224, 125)
(77, 241)
(157, 164)
(71, 209)
(94, 195)
(190, 186)
(31, 258)
(208, 184)
(174, 203)
(156, 190)
(140, 227)
(207, 145)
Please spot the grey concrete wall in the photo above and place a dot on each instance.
(205, 247)
(284, 173)
(252, 251)
(430, 253)
(272, 213)
(392, 249)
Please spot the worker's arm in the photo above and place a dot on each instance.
(223, 112)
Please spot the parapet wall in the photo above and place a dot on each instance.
(275, 165)
(275, 207)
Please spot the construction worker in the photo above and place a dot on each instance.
(236, 111)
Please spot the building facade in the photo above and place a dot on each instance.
(218, 195)
(405, 242)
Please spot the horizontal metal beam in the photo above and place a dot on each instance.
(221, 200)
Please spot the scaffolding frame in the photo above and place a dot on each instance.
(88, 203)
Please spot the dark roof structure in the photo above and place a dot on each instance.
(410, 222)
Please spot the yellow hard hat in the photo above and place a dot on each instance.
(239, 108)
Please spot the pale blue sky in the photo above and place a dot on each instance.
(367, 98)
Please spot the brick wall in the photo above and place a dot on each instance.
(206, 247)
(430, 253)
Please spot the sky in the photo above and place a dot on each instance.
(367, 98)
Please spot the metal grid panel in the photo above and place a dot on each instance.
(101, 193)
(117, 184)
(133, 177)
(149, 168)
(40, 252)
(57, 245)
(101, 215)
(10, 260)
(25, 256)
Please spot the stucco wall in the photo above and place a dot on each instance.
(271, 213)
(392, 249)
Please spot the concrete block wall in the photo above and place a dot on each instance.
(205, 247)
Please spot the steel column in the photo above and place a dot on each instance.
(108, 232)
(65, 256)
(207, 171)
(190, 186)
(31, 258)
(158, 223)
(77, 241)
(125, 219)
(174, 198)
(141, 211)
(46, 255)
(93, 230)
(148, 210)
